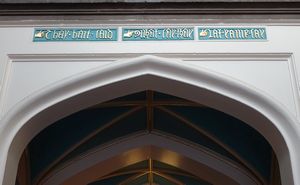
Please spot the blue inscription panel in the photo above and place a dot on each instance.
(237, 33)
(74, 34)
(158, 34)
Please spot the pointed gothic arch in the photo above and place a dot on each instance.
(169, 76)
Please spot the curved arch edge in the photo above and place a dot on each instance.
(279, 127)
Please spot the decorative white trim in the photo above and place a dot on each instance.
(4, 82)
(169, 76)
(295, 84)
(118, 56)
(144, 20)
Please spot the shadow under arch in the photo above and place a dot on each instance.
(169, 76)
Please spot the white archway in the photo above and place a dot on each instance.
(41, 109)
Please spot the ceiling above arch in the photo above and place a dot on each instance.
(150, 112)
(149, 172)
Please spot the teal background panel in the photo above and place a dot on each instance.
(74, 34)
(158, 34)
(238, 33)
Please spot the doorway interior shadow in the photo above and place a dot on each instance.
(242, 154)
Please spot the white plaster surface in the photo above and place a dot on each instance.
(270, 77)
(27, 77)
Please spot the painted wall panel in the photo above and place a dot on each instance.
(19, 40)
(269, 77)
(274, 78)
(27, 77)
(281, 39)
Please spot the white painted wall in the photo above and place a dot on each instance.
(270, 67)
(22, 74)
(274, 78)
